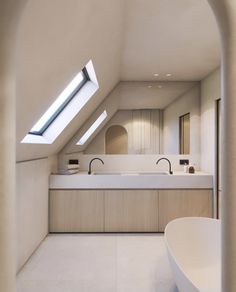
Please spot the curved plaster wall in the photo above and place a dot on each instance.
(225, 12)
(10, 11)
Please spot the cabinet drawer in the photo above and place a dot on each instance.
(76, 211)
(183, 203)
(131, 211)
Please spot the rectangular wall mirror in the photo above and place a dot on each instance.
(148, 122)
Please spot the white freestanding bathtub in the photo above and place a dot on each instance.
(194, 250)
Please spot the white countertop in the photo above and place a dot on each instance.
(132, 180)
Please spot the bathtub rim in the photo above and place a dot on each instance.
(170, 250)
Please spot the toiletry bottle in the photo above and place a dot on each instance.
(191, 169)
(185, 168)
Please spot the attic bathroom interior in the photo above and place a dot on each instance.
(118, 146)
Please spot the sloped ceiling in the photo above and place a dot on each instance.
(56, 40)
(166, 36)
(126, 40)
(148, 95)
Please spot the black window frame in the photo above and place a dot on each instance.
(63, 106)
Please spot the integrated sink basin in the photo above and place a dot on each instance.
(155, 173)
(106, 173)
(131, 173)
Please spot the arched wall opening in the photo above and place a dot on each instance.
(225, 13)
(10, 12)
(116, 140)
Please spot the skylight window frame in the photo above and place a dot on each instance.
(92, 129)
(47, 124)
(72, 109)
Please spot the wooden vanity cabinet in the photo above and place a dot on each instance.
(124, 210)
(183, 203)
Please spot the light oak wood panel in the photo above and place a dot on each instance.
(183, 203)
(131, 210)
(76, 211)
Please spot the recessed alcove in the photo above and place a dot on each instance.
(116, 140)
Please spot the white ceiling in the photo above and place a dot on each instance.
(148, 95)
(169, 36)
(126, 40)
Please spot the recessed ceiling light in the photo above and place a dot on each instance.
(156, 74)
(168, 74)
(149, 86)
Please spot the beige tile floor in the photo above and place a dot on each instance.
(98, 263)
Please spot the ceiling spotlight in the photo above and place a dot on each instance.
(149, 86)
(168, 74)
(156, 74)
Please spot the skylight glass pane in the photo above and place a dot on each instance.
(59, 104)
(92, 129)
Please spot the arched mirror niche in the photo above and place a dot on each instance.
(116, 140)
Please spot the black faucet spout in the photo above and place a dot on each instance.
(90, 164)
(164, 158)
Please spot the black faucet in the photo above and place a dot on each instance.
(90, 163)
(163, 158)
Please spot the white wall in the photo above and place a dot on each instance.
(210, 92)
(132, 162)
(187, 103)
(32, 179)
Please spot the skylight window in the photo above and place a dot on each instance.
(60, 103)
(92, 129)
(68, 104)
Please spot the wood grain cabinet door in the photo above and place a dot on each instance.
(131, 211)
(183, 203)
(76, 211)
